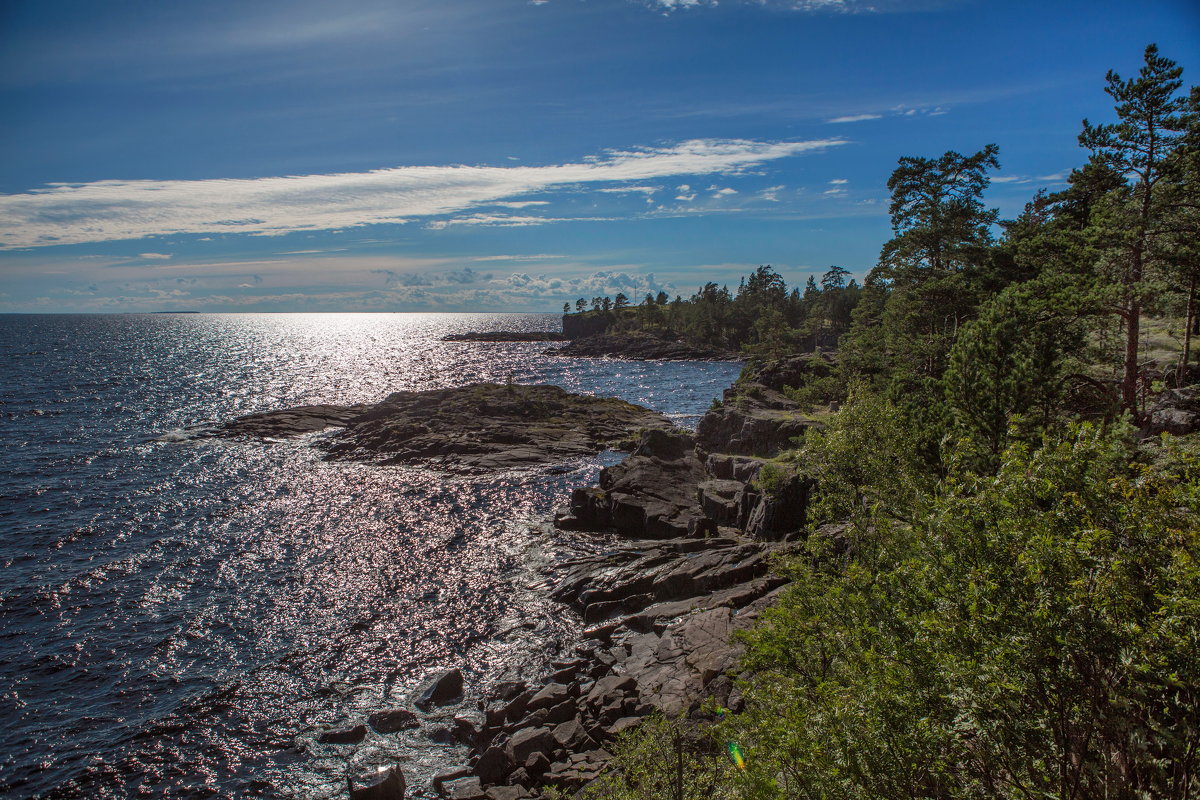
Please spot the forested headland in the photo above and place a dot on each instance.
(998, 589)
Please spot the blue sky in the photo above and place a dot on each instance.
(480, 155)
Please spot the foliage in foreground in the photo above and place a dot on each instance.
(1028, 634)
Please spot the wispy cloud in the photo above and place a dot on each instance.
(647, 190)
(896, 111)
(855, 118)
(1054, 178)
(506, 221)
(835, 6)
(71, 213)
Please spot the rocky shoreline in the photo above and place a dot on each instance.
(482, 427)
(698, 535)
(640, 347)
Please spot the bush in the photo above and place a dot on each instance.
(1032, 634)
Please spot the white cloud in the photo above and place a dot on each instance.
(771, 193)
(506, 221)
(647, 190)
(71, 213)
(855, 118)
(522, 204)
(155, 256)
(838, 181)
(724, 192)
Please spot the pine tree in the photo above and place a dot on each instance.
(1142, 147)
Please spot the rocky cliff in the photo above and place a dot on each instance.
(700, 529)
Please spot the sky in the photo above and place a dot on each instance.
(513, 155)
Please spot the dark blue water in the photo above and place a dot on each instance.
(180, 618)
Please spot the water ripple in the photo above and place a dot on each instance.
(182, 618)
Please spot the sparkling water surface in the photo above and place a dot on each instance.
(182, 617)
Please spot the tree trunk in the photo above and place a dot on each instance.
(1133, 280)
(1129, 382)
(1181, 370)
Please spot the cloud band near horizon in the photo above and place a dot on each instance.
(113, 210)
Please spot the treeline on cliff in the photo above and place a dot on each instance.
(763, 317)
(999, 592)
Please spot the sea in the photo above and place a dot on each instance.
(183, 616)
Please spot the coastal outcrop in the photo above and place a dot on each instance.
(476, 428)
(663, 612)
(755, 416)
(700, 519)
(505, 336)
(692, 522)
(652, 493)
(641, 346)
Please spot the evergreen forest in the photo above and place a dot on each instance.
(998, 594)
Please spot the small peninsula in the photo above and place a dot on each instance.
(475, 428)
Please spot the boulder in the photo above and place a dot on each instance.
(387, 784)
(1176, 411)
(756, 417)
(719, 500)
(573, 737)
(443, 778)
(441, 690)
(606, 689)
(550, 695)
(351, 735)
(560, 713)
(466, 729)
(536, 765)
(392, 719)
(528, 741)
(494, 765)
(464, 789)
